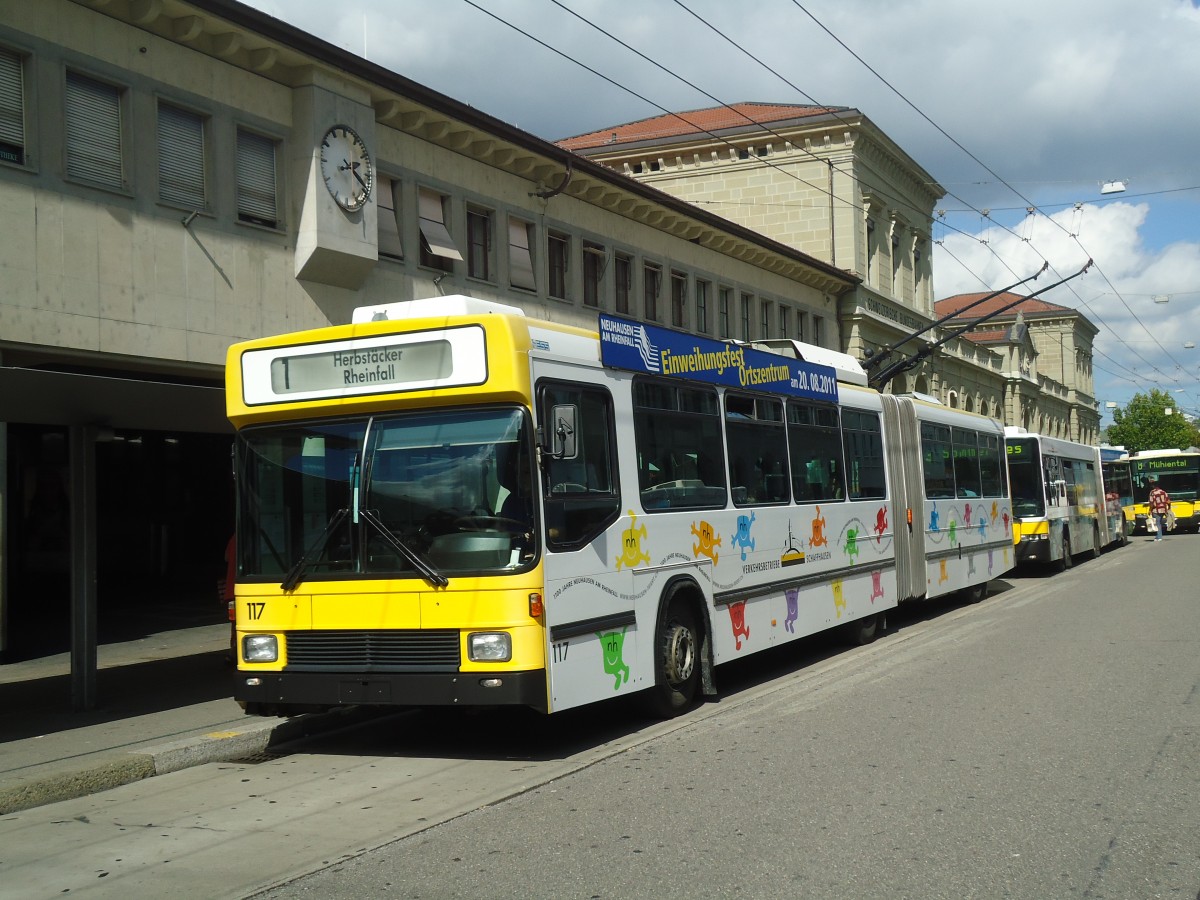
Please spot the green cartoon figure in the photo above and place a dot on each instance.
(851, 547)
(613, 643)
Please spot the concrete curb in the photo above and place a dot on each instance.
(77, 783)
(114, 769)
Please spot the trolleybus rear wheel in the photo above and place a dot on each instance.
(1066, 561)
(864, 631)
(976, 593)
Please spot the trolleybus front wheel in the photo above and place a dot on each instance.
(676, 662)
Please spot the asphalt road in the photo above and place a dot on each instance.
(1043, 743)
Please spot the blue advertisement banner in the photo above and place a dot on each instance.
(637, 347)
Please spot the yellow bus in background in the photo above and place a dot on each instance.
(1178, 473)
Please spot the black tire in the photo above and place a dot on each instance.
(976, 593)
(864, 631)
(1066, 562)
(1095, 542)
(676, 663)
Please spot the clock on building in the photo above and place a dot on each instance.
(346, 167)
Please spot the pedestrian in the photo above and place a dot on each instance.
(1160, 507)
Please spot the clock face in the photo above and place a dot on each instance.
(346, 167)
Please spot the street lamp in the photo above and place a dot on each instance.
(1112, 187)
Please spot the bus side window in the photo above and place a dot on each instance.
(815, 447)
(936, 461)
(677, 442)
(863, 442)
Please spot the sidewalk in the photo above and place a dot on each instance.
(163, 703)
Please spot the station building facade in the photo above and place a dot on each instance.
(828, 181)
(162, 190)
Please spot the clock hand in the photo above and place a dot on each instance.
(360, 180)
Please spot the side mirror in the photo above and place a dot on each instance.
(563, 421)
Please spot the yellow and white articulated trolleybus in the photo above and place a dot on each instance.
(449, 503)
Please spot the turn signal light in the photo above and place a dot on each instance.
(535, 606)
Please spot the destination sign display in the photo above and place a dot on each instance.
(639, 347)
(453, 357)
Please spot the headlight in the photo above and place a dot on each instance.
(260, 648)
(489, 646)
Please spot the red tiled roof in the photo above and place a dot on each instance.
(986, 337)
(951, 305)
(696, 121)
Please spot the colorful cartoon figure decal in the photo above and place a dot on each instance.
(970, 564)
(982, 527)
(839, 599)
(632, 538)
(793, 609)
(737, 617)
(1006, 522)
(613, 643)
(707, 541)
(942, 574)
(990, 560)
(851, 545)
(995, 510)
(881, 523)
(967, 513)
(742, 538)
(933, 519)
(876, 586)
(953, 532)
(818, 538)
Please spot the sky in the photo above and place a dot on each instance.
(1009, 106)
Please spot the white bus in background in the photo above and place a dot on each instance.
(1057, 498)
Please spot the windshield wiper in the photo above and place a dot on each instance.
(432, 575)
(296, 572)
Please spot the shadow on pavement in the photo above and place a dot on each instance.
(42, 705)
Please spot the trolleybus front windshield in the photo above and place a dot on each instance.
(415, 495)
(1177, 475)
(1025, 478)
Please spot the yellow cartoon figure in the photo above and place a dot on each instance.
(839, 600)
(708, 540)
(632, 538)
(942, 574)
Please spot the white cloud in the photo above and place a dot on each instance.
(1052, 97)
